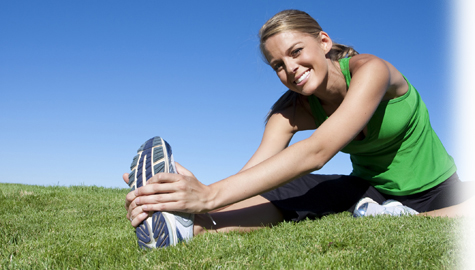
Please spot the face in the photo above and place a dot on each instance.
(299, 60)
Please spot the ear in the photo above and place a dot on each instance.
(325, 42)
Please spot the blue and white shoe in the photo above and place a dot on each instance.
(160, 229)
(368, 207)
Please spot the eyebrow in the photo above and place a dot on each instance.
(286, 52)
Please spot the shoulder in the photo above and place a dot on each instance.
(372, 68)
(366, 60)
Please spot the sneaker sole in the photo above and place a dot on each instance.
(154, 156)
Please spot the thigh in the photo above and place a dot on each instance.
(247, 215)
(313, 195)
(464, 209)
(449, 193)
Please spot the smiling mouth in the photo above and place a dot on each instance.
(302, 77)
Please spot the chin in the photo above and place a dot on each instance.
(306, 92)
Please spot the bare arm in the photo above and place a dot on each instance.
(279, 131)
(371, 79)
(277, 134)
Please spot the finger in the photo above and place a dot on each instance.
(125, 176)
(154, 189)
(169, 207)
(138, 219)
(133, 213)
(130, 197)
(144, 201)
(129, 206)
(165, 178)
(130, 212)
(182, 170)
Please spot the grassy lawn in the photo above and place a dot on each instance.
(83, 227)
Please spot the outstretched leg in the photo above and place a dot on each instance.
(310, 196)
(464, 209)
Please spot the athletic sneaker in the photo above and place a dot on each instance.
(160, 229)
(390, 203)
(368, 207)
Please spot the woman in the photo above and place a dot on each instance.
(356, 103)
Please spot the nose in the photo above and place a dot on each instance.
(292, 66)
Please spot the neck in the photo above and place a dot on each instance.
(334, 91)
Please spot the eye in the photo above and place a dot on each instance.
(277, 67)
(296, 52)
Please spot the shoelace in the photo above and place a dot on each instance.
(214, 222)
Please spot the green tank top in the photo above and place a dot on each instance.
(401, 154)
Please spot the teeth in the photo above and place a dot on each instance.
(303, 77)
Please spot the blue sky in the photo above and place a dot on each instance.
(84, 83)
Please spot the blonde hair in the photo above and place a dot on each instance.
(296, 20)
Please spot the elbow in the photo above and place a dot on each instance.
(319, 166)
(317, 160)
(319, 163)
(313, 155)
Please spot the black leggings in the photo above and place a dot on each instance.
(313, 195)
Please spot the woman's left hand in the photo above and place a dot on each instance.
(180, 192)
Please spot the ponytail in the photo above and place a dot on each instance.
(339, 51)
(288, 99)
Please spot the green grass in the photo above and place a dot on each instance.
(83, 227)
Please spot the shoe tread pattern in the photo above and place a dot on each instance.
(150, 160)
(160, 230)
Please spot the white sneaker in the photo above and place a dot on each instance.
(391, 203)
(368, 207)
(160, 229)
(396, 208)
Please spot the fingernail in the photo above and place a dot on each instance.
(144, 208)
(136, 192)
(137, 201)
